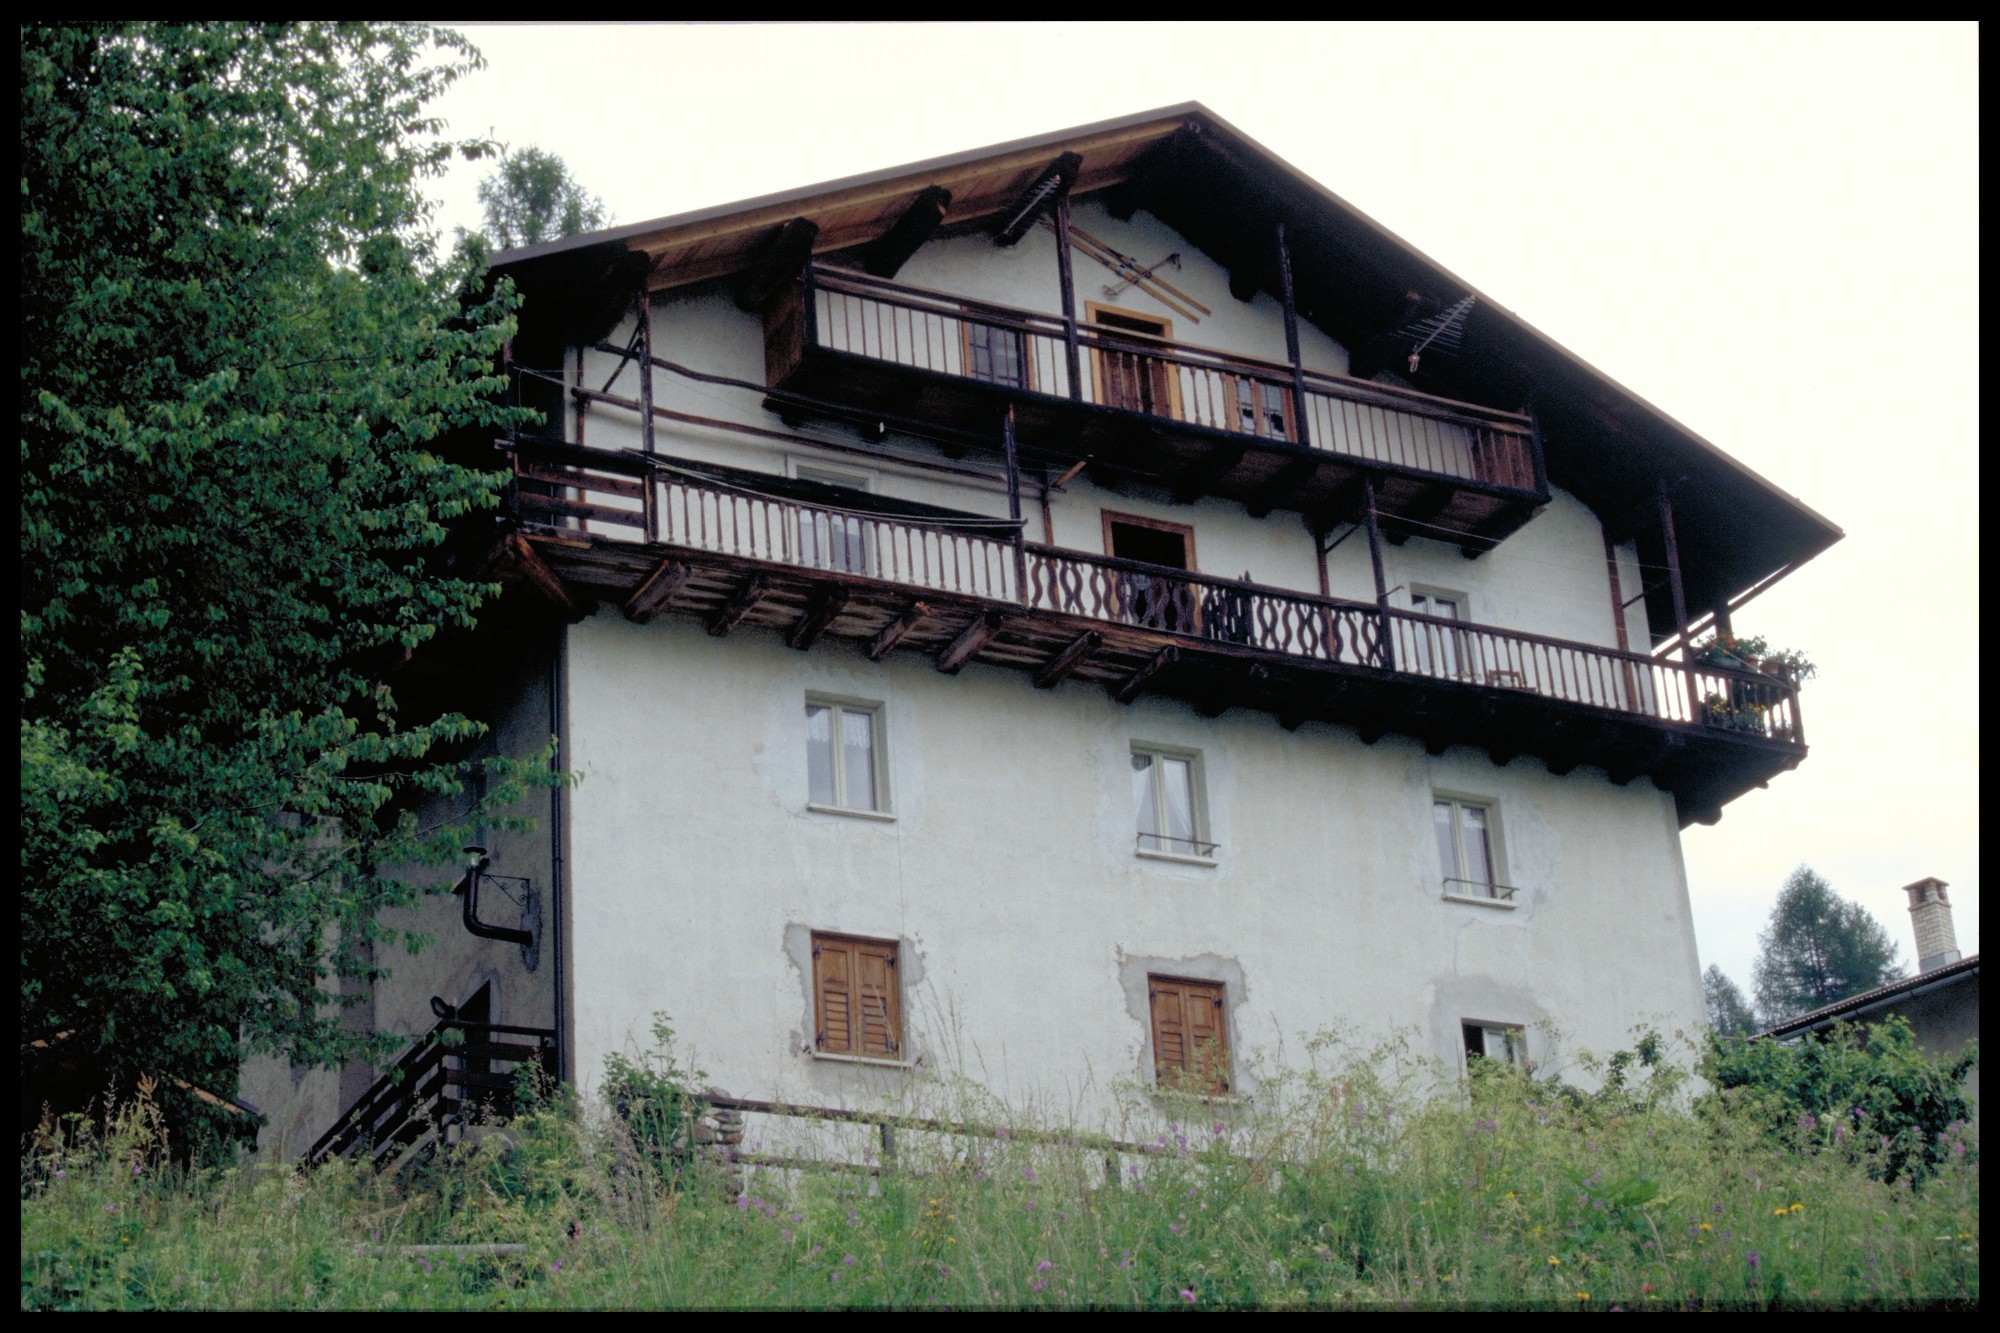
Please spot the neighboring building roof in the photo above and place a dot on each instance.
(1854, 1006)
(1354, 278)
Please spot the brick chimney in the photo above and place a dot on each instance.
(1930, 911)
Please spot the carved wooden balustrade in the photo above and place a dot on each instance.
(577, 495)
(845, 311)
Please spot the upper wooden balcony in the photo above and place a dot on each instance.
(1206, 422)
(657, 535)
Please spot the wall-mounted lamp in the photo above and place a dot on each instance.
(522, 895)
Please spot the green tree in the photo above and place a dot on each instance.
(531, 197)
(1728, 1013)
(240, 358)
(1817, 949)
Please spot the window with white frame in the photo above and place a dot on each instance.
(1506, 1042)
(831, 538)
(1468, 848)
(846, 769)
(1170, 809)
(1439, 649)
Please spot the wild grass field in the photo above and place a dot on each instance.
(1332, 1191)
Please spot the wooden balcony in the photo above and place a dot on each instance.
(659, 536)
(1205, 422)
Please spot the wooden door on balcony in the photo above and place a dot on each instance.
(1130, 377)
(1153, 600)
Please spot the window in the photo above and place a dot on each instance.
(1495, 1041)
(1466, 851)
(1166, 791)
(857, 1004)
(1190, 1034)
(1439, 651)
(996, 355)
(844, 762)
(1261, 407)
(829, 538)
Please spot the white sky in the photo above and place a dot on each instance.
(1767, 231)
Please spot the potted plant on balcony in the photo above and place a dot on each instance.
(1718, 711)
(1723, 649)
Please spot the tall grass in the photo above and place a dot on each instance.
(1329, 1192)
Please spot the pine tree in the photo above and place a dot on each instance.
(1728, 1013)
(1818, 949)
(239, 357)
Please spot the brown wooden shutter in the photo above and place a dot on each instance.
(1190, 1032)
(859, 1002)
(876, 995)
(833, 982)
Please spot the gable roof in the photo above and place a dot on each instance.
(1352, 277)
(1964, 971)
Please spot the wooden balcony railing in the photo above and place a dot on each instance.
(844, 311)
(564, 488)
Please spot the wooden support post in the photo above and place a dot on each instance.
(1014, 507)
(576, 396)
(644, 305)
(970, 640)
(1067, 275)
(1195, 480)
(658, 589)
(742, 604)
(894, 632)
(1299, 431)
(1128, 689)
(825, 608)
(1068, 660)
(543, 579)
(1385, 650)
(1673, 563)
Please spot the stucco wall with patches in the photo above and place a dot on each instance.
(1009, 875)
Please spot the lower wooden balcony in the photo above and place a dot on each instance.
(1205, 422)
(658, 536)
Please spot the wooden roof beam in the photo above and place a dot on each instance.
(970, 640)
(896, 630)
(825, 608)
(659, 588)
(1195, 481)
(889, 252)
(1037, 199)
(1435, 499)
(1159, 163)
(742, 604)
(780, 258)
(1280, 488)
(1068, 660)
(1128, 689)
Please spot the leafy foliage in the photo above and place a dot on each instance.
(657, 1102)
(240, 358)
(1818, 949)
(531, 197)
(1728, 1013)
(1869, 1081)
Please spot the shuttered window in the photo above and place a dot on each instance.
(858, 1003)
(1190, 1034)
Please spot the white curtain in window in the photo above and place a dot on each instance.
(819, 754)
(857, 751)
(1177, 782)
(1145, 793)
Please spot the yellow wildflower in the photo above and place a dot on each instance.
(1796, 1208)
(1706, 1227)
(1555, 1262)
(1777, 1212)
(1583, 1295)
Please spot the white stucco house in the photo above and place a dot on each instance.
(1081, 614)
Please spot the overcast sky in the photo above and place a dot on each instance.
(1767, 231)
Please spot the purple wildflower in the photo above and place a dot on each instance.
(847, 1259)
(1028, 1174)
(1754, 1259)
(1044, 1266)
(1187, 1294)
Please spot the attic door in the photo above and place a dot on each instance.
(1129, 372)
